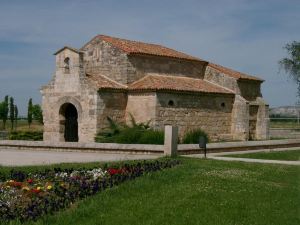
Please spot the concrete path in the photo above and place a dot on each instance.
(256, 160)
(218, 156)
(11, 157)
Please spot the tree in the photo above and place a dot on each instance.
(16, 116)
(29, 112)
(5, 111)
(37, 113)
(12, 112)
(291, 65)
(2, 111)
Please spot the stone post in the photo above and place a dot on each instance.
(171, 137)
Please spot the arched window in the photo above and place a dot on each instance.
(67, 65)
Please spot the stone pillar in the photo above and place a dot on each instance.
(171, 138)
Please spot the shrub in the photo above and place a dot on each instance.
(152, 137)
(26, 135)
(192, 136)
(137, 133)
(129, 135)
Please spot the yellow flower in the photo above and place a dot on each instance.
(49, 187)
(38, 188)
(25, 188)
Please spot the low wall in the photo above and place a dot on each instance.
(149, 149)
(74, 146)
(239, 146)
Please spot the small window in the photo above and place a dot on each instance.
(171, 103)
(67, 65)
(223, 104)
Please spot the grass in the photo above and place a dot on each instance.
(197, 192)
(292, 155)
(22, 125)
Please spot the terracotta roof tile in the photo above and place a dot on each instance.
(103, 82)
(140, 48)
(233, 73)
(174, 83)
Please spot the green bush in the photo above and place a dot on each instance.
(129, 135)
(152, 137)
(26, 135)
(192, 137)
(137, 133)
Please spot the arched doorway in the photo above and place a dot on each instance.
(69, 122)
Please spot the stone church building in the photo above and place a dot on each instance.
(115, 77)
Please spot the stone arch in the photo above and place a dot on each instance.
(69, 112)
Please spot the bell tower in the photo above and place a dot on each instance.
(69, 61)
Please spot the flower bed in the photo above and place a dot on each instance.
(28, 196)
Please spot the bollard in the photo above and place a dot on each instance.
(171, 138)
(202, 144)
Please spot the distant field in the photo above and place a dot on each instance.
(22, 125)
(284, 124)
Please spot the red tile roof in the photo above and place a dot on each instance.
(140, 48)
(174, 83)
(233, 73)
(103, 82)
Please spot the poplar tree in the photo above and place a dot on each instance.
(5, 114)
(12, 112)
(16, 116)
(29, 112)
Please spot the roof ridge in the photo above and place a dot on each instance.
(133, 47)
(165, 82)
(212, 83)
(179, 77)
(106, 78)
(141, 42)
(241, 74)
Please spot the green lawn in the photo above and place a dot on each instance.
(293, 155)
(198, 191)
(22, 125)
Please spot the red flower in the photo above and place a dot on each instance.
(35, 191)
(29, 181)
(113, 171)
(16, 184)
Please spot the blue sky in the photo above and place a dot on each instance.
(244, 35)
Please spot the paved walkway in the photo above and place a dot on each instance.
(11, 157)
(256, 160)
(218, 156)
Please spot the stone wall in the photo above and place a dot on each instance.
(212, 113)
(250, 90)
(263, 120)
(142, 106)
(101, 57)
(240, 119)
(110, 104)
(221, 79)
(162, 65)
